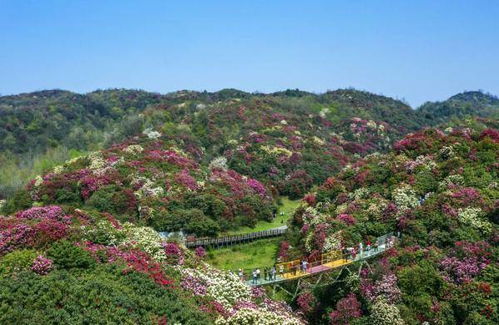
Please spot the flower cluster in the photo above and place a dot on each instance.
(471, 217)
(42, 265)
(347, 308)
(384, 313)
(405, 198)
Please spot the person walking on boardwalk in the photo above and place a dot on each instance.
(281, 270)
(258, 275)
(344, 253)
(361, 249)
(241, 274)
(273, 274)
(254, 277)
(265, 274)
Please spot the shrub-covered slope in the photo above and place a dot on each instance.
(75, 267)
(441, 191)
(460, 106)
(153, 182)
(39, 130)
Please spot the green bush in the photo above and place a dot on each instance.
(66, 255)
(102, 296)
(200, 224)
(17, 261)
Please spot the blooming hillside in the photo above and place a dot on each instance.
(441, 192)
(43, 129)
(152, 182)
(71, 267)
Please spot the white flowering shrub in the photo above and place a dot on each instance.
(384, 313)
(225, 287)
(446, 153)
(451, 180)
(405, 198)
(147, 188)
(133, 149)
(96, 160)
(146, 238)
(219, 163)
(472, 218)
(103, 232)
(313, 217)
(151, 134)
(332, 242)
(257, 316)
(360, 193)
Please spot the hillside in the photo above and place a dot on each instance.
(440, 192)
(204, 163)
(40, 130)
(74, 267)
(460, 106)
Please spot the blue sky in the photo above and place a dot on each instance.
(416, 50)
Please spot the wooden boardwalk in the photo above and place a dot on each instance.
(236, 239)
(328, 262)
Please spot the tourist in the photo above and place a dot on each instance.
(344, 253)
(254, 277)
(265, 274)
(281, 270)
(258, 275)
(273, 273)
(241, 274)
(305, 266)
(376, 246)
(361, 248)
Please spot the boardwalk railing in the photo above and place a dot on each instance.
(329, 261)
(236, 239)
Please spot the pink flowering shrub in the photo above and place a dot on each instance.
(174, 253)
(257, 187)
(306, 302)
(465, 261)
(347, 219)
(283, 253)
(48, 212)
(42, 265)
(185, 179)
(200, 252)
(347, 309)
(194, 284)
(15, 236)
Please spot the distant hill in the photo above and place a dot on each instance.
(466, 104)
(41, 129)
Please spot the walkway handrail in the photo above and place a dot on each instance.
(235, 238)
(293, 269)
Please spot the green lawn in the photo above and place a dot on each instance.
(251, 255)
(287, 208)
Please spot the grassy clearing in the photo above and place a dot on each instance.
(251, 255)
(287, 208)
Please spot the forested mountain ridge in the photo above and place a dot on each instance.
(466, 104)
(41, 129)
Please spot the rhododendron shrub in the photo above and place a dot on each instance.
(437, 191)
(347, 309)
(42, 265)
